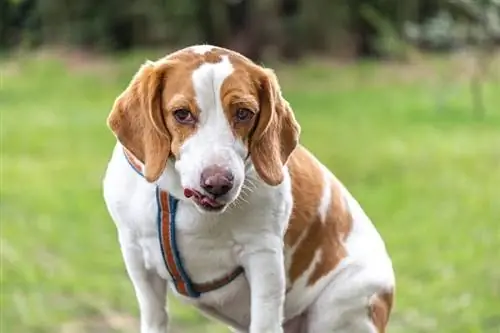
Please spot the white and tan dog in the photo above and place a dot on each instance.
(213, 196)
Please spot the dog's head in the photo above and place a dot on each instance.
(212, 111)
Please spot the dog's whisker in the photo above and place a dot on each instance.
(249, 187)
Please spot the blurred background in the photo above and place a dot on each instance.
(399, 98)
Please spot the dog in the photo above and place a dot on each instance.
(215, 200)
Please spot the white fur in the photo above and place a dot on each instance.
(248, 233)
(326, 197)
(201, 49)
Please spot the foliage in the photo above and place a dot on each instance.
(461, 23)
(367, 28)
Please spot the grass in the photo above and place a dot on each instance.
(403, 138)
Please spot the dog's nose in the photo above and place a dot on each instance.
(216, 180)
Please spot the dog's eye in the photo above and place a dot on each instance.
(243, 115)
(184, 116)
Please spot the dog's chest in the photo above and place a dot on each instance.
(207, 252)
(206, 245)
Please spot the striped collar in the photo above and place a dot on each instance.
(167, 208)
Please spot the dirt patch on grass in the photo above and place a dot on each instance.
(106, 324)
(9, 68)
(80, 60)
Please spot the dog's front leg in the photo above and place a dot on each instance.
(150, 288)
(265, 271)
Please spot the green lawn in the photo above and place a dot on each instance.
(403, 138)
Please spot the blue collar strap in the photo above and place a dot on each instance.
(167, 208)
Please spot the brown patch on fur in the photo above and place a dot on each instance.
(179, 94)
(239, 91)
(380, 309)
(338, 223)
(306, 225)
(136, 119)
(276, 134)
(307, 191)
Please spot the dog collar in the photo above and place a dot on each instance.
(167, 209)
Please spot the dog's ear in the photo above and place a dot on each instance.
(137, 119)
(276, 134)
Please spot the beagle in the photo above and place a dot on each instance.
(215, 200)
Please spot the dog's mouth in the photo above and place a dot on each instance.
(204, 201)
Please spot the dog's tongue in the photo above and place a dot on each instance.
(188, 193)
(209, 202)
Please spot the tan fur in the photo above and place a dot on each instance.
(240, 91)
(337, 225)
(380, 310)
(306, 225)
(135, 119)
(277, 132)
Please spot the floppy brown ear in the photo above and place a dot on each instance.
(276, 134)
(137, 120)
